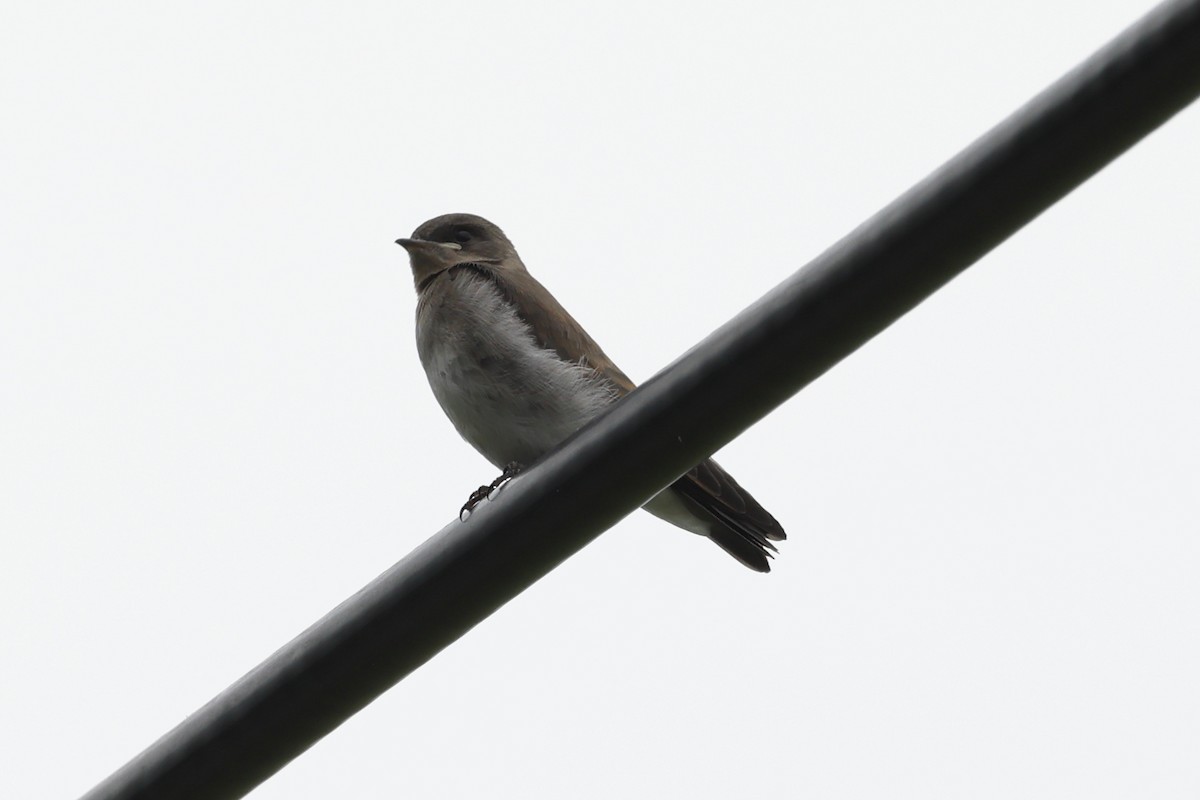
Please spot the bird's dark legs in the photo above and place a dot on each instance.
(511, 470)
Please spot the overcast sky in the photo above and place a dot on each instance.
(215, 428)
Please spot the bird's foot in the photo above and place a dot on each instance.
(511, 470)
(475, 499)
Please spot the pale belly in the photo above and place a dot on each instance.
(510, 399)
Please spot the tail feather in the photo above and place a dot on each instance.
(739, 525)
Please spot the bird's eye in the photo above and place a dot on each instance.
(462, 236)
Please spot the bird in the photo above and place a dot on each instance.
(517, 375)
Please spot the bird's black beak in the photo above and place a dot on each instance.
(429, 258)
(413, 245)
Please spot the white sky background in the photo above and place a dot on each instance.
(215, 428)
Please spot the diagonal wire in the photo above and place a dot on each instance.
(732, 379)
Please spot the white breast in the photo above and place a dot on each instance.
(511, 399)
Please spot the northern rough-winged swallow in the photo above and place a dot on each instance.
(517, 375)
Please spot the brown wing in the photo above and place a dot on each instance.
(553, 328)
(745, 528)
